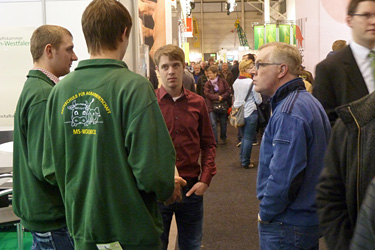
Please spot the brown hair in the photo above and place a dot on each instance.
(214, 69)
(46, 34)
(338, 44)
(352, 7)
(286, 54)
(172, 51)
(103, 23)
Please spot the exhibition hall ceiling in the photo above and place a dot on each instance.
(256, 6)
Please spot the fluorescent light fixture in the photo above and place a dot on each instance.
(231, 4)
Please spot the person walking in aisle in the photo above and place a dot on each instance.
(186, 116)
(38, 203)
(244, 93)
(228, 76)
(291, 153)
(104, 139)
(216, 92)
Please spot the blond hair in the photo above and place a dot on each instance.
(245, 64)
(284, 53)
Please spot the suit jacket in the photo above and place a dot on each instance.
(338, 81)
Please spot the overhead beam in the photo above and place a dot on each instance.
(262, 12)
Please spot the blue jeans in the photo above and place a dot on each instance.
(278, 236)
(223, 124)
(189, 219)
(249, 131)
(53, 240)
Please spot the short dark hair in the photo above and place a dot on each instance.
(352, 7)
(103, 23)
(46, 34)
(250, 57)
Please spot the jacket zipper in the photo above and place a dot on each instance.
(358, 157)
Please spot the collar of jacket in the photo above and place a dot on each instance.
(92, 63)
(39, 74)
(286, 89)
(360, 111)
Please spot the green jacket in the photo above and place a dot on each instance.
(110, 152)
(35, 201)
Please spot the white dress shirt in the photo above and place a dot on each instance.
(364, 64)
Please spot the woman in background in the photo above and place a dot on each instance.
(217, 89)
(241, 88)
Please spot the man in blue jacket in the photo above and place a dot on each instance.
(291, 154)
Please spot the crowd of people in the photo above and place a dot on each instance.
(103, 159)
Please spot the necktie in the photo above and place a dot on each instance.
(371, 55)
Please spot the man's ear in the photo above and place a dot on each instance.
(348, 20)
(123, 36)
(156, 68)
(48, 50)
(283, 70)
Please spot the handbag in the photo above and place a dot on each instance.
(236, 117)
(220, 107)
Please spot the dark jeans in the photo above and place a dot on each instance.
(278, 236)
(53, 240)
(223, 124)
(189, 219)
(249, 131)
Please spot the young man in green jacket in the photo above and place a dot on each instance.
(35, 201)
(107, 144)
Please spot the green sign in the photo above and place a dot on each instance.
(271, 33)
(284, 33)
(258, 36)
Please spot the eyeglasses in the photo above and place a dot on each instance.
(259, 64)
(366, 16)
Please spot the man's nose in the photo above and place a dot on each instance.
(74, 57)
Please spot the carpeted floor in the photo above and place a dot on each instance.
(230, 203)
(231, 207)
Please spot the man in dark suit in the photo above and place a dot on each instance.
(346, 76)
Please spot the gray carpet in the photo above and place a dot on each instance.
(230, 204)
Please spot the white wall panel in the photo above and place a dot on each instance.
(17, 22)
(68, 14)
(322, 28)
